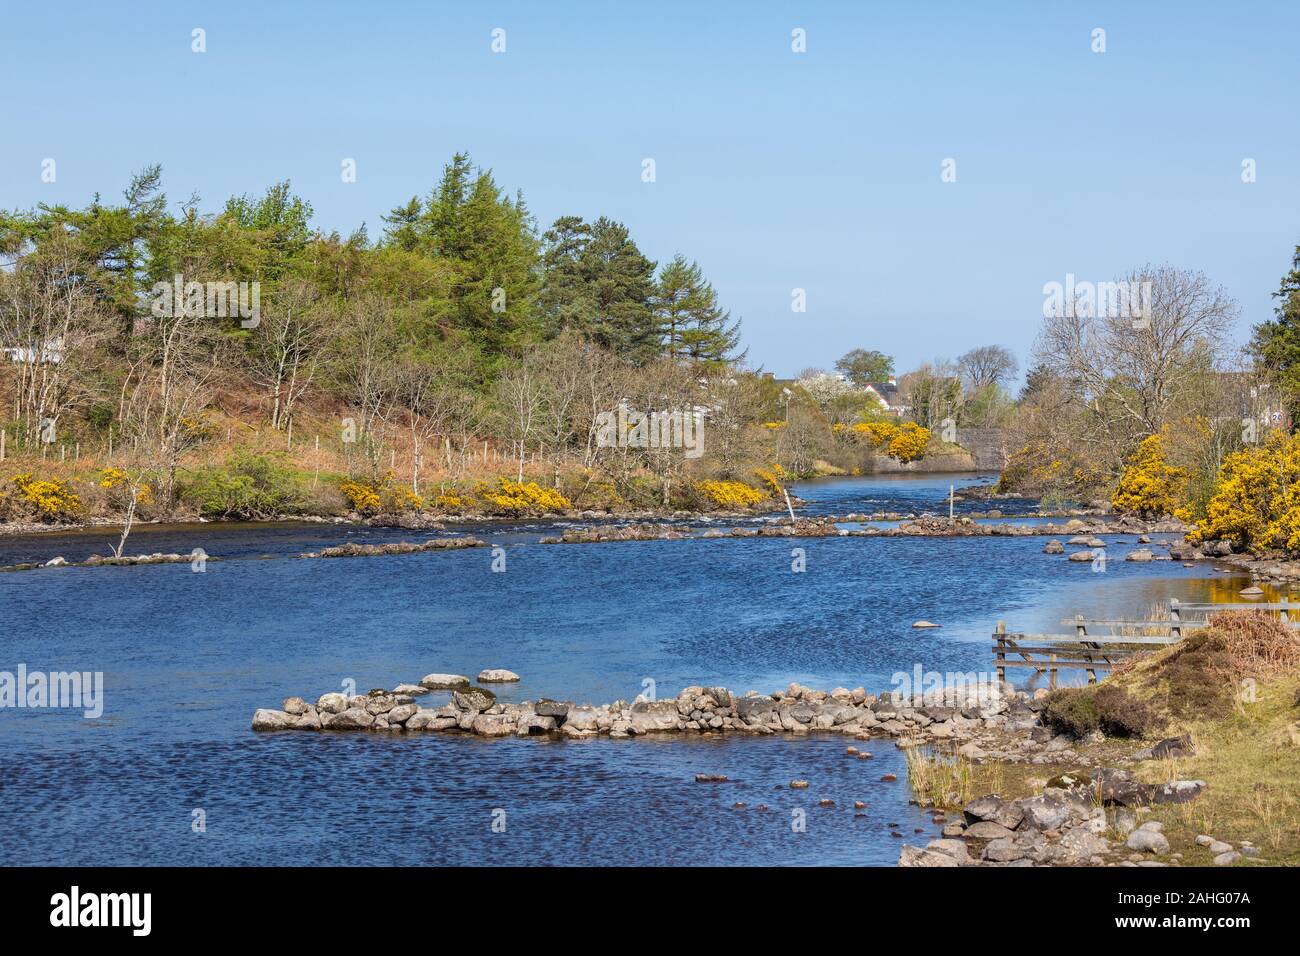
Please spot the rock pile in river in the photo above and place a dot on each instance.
(955, 713)
(355, 550)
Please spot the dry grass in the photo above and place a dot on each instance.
(1234, 687)
(1250, 760)
(938, 780)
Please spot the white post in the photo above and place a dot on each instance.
(950, 495)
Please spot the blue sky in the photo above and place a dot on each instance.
(775, 170)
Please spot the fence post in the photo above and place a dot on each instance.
(1176, 621)
(1000, 654)
(1286, 616)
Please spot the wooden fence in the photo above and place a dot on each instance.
(1095, 645)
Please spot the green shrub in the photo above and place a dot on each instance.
(246, 486)
(1072, 710)
(1122, 714)
(1079, 711)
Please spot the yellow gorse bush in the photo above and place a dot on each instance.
(362, 497)
(731, 494)
(450, 501)
(772, 478)
(910, 442)
(114, 478)
(529, 496)
(905, 442)
(878, 433)
(1256, 498)
(1150, 487)
(51, 499)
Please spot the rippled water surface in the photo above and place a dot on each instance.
(187, 657)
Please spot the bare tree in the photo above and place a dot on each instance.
(987, 365)
(52, 326)
(560, 366)
(283, 351)
(1136, 373)
(363, 349)
(519, 399)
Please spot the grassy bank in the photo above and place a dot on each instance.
(1233, 689)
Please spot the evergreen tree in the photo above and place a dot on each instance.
(1276, 343)
(403, 230)
(691, 323)
(620, 283)
(487, 243)
(564, 302)
(599, 284)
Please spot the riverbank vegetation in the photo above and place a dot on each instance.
(1229, 695)
(240, 363)
(1154, 414)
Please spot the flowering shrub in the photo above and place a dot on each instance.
(905, 442)
(909, 443)
(363, 498)
(450, 501)
(514, 496)
(46, 499)
(118, 481)
(1256, 499)
(878, 433)
(772, 478)
(731, 494)
(1149, 487)
(774, 425)
(398, 498)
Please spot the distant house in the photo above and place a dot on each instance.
(888, 395)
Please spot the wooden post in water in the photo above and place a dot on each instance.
(1000, 653)
(950, 497)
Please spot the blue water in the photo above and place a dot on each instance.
(188, 656)
(905, 494)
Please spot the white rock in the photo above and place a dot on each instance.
(496, 675)
(333, 703)
(264, 719)
(444, 681)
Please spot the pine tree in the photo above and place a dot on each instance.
(1276, 343)
(600, 285)
(691, 323)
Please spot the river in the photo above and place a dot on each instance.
(187, 657)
